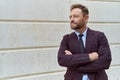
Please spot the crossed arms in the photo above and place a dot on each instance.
(88, 62)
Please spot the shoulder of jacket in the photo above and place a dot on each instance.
(68, 35)
(97, 32)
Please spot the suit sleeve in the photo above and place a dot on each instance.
(104, 57)
(70, 60)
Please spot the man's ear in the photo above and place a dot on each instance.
(86, 18)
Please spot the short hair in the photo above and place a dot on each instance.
(84, 9)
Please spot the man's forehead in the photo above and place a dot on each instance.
(76, 11)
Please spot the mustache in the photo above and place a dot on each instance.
(73, 22)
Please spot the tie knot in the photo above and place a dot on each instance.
(81, 35)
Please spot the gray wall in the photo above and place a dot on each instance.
(31, 31)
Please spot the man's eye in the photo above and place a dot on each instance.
(76, 16)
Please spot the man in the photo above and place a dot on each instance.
(85, 52)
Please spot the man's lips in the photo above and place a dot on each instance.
(72, 23)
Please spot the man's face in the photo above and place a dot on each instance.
(77, 20)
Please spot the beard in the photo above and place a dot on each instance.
(77, 26)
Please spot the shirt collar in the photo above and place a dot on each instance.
(84, 33)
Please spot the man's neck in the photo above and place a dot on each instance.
(82, 29)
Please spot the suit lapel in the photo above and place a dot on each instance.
(75, 42)
(88, 39)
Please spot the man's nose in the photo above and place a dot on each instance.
(71, 19)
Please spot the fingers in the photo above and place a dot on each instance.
(93, 56)
(67, 52)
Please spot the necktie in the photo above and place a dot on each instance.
(81, 43)
(85, 77)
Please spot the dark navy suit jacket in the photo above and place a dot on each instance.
(79, 63)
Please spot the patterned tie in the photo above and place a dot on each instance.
(81, 43)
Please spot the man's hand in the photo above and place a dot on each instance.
(93, 56)
(67, 52)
